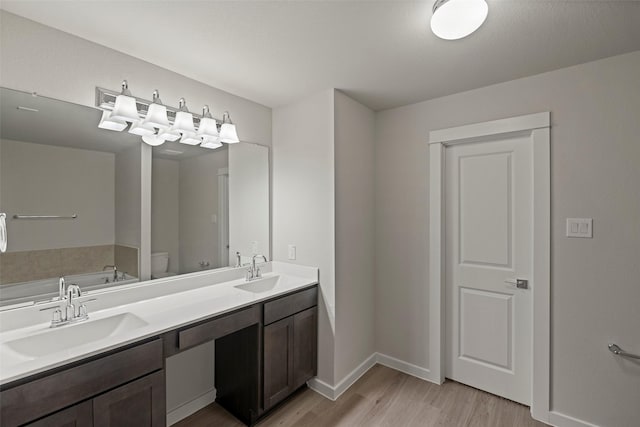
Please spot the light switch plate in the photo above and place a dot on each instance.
(292, 252)
(580, 227)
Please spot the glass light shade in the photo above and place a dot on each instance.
(169, 134)
(184, 123)
(190, 138)
(208, 128)
(456, 19)
(211, 143)
(157, 116)
(228, 133)
(142, 129)
(153, 140)
(106, 122)
(125, 109)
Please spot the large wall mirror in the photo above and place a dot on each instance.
(73, 196)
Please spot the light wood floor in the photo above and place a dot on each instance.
(385, 397)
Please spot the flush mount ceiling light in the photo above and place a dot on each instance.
(153, 121)
(456, 19)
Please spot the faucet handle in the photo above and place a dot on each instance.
(70, 312)
(82, 311)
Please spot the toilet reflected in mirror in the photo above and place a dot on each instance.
(160, 265)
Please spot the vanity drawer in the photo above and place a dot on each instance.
(290, 304)
(37, 398)
(219, 327)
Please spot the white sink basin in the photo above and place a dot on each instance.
(69, 336)
(261, 285)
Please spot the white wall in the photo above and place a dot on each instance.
(190, 376)
(595, 158)
(248, 200)
(165, 210)
(354, 231)
(34, 57)
(37, 179)
(198, 202)
(303, 203)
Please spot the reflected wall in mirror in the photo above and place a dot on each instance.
(206, 205)
(54, 161)
(188, 209)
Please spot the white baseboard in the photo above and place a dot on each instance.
(334, 392)
(406, 367)
(355, 375)
(322, 388)
(192, 406)
(558, 419)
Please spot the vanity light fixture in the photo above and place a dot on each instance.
(228, 132)
(211, 143)
(156, 118)
(106, 122)
(184, 124)
(157, 123)
(456, 19)
(208, 127)
(153, 140)
(125, 107)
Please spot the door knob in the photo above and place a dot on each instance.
(519, 283)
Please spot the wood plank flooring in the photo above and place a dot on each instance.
(385, 397)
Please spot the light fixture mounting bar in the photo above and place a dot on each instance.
(106, 98)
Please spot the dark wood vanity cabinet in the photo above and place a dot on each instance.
(139, 403)
(121, 388)
(79, 415)
(290, 345)
(264, 353)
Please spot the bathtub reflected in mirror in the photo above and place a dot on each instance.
(73, 195)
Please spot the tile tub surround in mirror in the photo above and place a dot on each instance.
(54, 160)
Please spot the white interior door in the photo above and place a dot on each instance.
(488, 192)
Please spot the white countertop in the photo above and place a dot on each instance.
(163, 304)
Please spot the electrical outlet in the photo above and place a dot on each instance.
(254, 247)
(292, 252)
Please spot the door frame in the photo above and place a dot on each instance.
(537, 126)
(223, 217)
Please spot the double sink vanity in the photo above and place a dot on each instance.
(109, 370)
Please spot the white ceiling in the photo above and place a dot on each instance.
(381, 53)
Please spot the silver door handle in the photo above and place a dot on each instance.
(620, 352)
(518, 283)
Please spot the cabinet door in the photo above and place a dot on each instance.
(305, 344)
(278, 361)
(76, 416)
(141, 403)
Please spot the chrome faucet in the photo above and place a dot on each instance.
(70, 314)
(115, 271)
(62, 289)
(254, 272)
